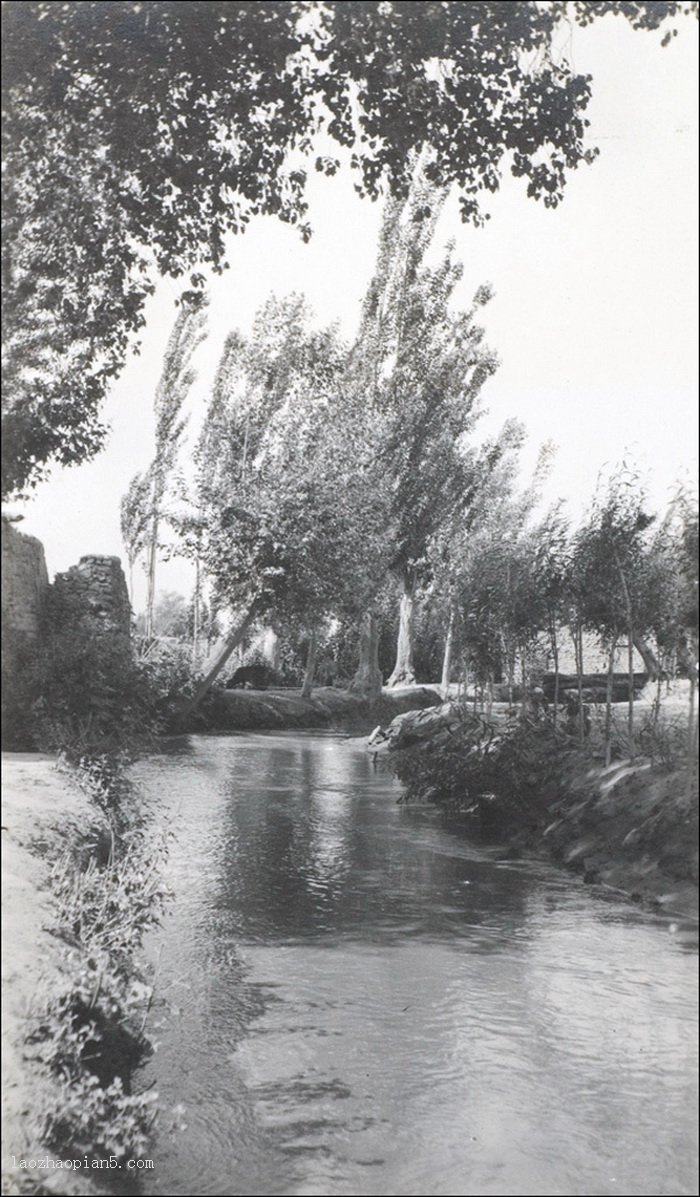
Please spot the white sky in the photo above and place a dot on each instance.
(595, 316)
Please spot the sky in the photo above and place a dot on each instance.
(594, 319)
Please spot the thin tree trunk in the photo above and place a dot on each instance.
(195, 613)
(403, 673)
(578, 653)
(151, 590)
(608, 702)
(692, 742)
(229, 648)
(656, 710)
(630, 696)
(555, 660)
(367, 682)
(511, 677)
(307, 687)
(651, 663)
(630, 655)
(447, 658)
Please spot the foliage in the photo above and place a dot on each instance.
(138, 136)
(93, 694)
(142, 505)
(90, 1033)
(171, 616)
(609, 559)
(523, 762)
(420, 367)
(286, 519)
(135, 518)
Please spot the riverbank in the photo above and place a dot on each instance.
(632, 826)
(269, 710)
(81, 884)
(41, 810)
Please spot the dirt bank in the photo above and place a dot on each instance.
(246, 710)
(40, 808)
(634, 827)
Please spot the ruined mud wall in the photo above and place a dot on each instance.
(25, 584)
(82, 620)
(96, 588)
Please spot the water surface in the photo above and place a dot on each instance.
(361, 1000)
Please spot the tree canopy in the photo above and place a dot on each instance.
(138, 135)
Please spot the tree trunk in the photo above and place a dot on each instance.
(656, 709)
(608, 702)
(404, 674)
(307, 687)
(651, 662)
(510, 664)
(229, 648)
(578, 653)
(630, 655)
(272, 649)
(367, 682)
(195, 613)
(555, 661)
(151, 591)
(447, 658)
(630, 699)
(692, 742)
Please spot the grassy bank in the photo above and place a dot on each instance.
(81, 884)
(632, 825)
(248, 710)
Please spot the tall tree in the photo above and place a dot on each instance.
(286, 516)
(138, 135)
(173, 387)
(609, 574)
(422, 370)
(134, 522)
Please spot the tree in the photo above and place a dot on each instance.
(142, 505)
(552, 553)
(173, 386)
(609, 567)
(137, 136)
(170, 617)
(134, 521)
(286, 517)
(422, 370)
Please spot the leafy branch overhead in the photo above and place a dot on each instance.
(138, 136)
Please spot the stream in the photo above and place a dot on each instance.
(359, 997)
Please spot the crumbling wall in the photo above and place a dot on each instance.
(96, 587)
(64, 644)
(25, 583)
(25, 589)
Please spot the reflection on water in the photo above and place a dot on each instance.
(360, 1000)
